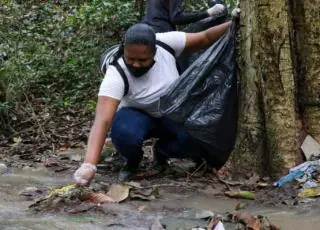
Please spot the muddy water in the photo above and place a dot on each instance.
(172, 209)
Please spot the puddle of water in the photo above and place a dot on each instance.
(171, 208)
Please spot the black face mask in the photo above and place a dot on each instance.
(140, 71)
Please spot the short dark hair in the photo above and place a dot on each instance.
(140, 34)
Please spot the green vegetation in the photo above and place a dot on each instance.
(50, 51)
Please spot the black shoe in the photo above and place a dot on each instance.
(161, 166)
(160, 162)
(126, 174)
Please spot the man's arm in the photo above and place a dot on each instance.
(201, 40)
(179, 17)
(106, 108)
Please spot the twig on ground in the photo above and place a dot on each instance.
(74, 125)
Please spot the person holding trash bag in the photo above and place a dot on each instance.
(165, 15)
(140, 74)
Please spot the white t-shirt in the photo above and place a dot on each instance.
(144, 92)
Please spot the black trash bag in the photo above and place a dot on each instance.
(185, 60)
(204, 98)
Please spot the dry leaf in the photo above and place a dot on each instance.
(250, 221)
(99, 198)
(133, 184)
(141, 208)
(118, 192)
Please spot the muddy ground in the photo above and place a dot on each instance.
(185, 196)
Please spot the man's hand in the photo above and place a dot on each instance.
(216, 10)
(85, 174)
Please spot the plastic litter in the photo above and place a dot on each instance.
(310, 147)
(288, 178)
(219, 226)
(310, 192)
(204, 98)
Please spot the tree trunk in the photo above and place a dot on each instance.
(279, 69)
(307, 43)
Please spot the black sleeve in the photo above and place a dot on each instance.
(179, 17)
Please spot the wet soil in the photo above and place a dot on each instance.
(183, 196)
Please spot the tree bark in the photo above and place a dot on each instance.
(279, 81)
(306, 24)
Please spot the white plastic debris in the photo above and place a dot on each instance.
(219, 226)
(3, 168)
(310, 147)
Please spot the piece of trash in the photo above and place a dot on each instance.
(304, 166)
(219, 226)
(310, 147)
(214, 222)
(241, 194)
(288, 178)
(310, 192)
(118, 192)
(310, 184)
(76, 157)
(3, 168)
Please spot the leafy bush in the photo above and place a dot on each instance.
(52, 50)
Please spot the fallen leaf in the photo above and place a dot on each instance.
(99, 198)
(141, 208)
(250, 221)
(144, 193)
(134, 195)
(262, 184)
(118, 192)
(51, 163)
(241, 194)
(133, 184)
(17, 140)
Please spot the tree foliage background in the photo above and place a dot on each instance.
(49, 62)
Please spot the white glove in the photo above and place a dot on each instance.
(84, 174)
(236, 12)
(216, 10)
